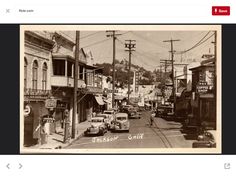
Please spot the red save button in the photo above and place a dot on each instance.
(220, 10)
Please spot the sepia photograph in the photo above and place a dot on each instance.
(120, 89)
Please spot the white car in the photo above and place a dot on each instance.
(97, 127)
(110, 117)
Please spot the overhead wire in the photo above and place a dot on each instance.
(91, 34)
(201, 41)
(149, 40)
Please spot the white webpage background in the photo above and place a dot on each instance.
(119, 11)
(118, 165)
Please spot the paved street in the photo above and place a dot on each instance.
(163, 134)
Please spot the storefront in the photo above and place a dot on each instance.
(34, 109)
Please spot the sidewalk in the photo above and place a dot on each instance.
(55, 140)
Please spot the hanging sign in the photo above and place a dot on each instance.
(202, 87)
(50, 103)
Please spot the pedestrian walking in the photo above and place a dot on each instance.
(152, 118)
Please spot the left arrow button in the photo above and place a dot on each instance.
(8, 166)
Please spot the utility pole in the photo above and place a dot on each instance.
(75, 84)
(172, 63)
(130, 46)
(166, 64)
(112, 33)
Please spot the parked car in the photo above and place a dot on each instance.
(121, 122)
(164, 110)
(97, 127)
(106, 119)
(109, 112)
(206, 140)
(110, 115)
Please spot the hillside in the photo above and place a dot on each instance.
(145, 77)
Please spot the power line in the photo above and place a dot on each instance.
(96, 43)
(197, 44)
(143, 54)
(148, 40)
(73, 40)
(91, 34)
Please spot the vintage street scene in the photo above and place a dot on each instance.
(119, 89)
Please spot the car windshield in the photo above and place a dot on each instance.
(96, 120)
(121, 118)
(107, 112)
(102, 115)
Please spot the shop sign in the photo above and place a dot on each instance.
(202, 87)
(51, 103)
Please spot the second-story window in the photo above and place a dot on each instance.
(89, 74)
(81, 72)
(35, 75)
(44, 78)
(59, 67)
(69, 69)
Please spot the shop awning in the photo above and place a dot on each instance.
(99, 100)
(147, 104)
(108, 101)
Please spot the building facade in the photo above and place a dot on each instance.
(37, 83)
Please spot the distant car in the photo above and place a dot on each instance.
(133, 113)
(125, 108)
(206, 140)
(121, 122)
(164, 110)
(109, 112)
(97, 127)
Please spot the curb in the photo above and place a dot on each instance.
(72, 141)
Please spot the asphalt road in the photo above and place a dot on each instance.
(163, 134)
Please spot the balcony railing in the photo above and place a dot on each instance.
(36, 93)
(63, 81)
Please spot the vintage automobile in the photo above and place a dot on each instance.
(125, 108)
(106, 118)
(133, 113)
(110, 115)
(98, 126)
(206, 140)
(164, 110)
(121, 122)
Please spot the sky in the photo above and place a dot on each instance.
(150, 48)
